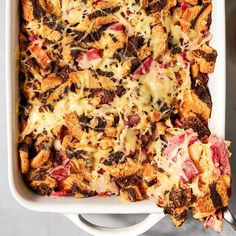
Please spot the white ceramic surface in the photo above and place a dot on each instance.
(94, 205)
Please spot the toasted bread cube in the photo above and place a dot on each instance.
(131, 193)
(24, 158)
(36, 28)
(27, 8)
(195, 70)
(198, 102)
(41, 158)
(51, 6)
(50, 82)
(39, 54)
(77, 186)
(158, 41)
(59, 92)
(188, 16)
(203, 22)
(205, 56)
(72, 123)
(130, 167)
(45, 186)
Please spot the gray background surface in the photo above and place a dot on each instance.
(15, 220)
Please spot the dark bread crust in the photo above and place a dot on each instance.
(203, 93)
(197, 125)
(215, 197)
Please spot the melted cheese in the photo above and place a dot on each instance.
(103, 184)
(129, 138)
(74, 11)
(158, 85)
(40, 121)
(136, 24)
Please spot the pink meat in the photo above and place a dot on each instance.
(59, 173)
(184, 6)
(189, 170)
(214, 222)
(193, 136)
(185, 59)
(133, 120)
(117, 26)
(60, 193)
(88, 59)
(144, 68)
(219, 152)
(32, 38)
(107, 96)
(177, 140)
(96, 1)
(66, 162)
(176, 149)
(101, 171)
(178, 123)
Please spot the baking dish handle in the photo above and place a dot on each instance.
(133, 230)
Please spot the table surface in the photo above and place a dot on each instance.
(14, 219)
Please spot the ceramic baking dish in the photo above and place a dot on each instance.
(70, 206)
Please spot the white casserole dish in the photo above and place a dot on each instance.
(69, 205)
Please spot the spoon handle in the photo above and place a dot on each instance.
(229, 217)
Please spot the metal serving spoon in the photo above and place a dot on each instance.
(229, 217)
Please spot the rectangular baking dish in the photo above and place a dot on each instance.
(32, 201)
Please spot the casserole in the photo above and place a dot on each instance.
(69, 205)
